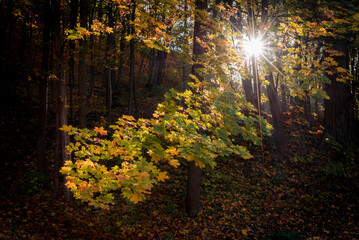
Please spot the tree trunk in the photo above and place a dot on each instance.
(193, 197)
(283, 103)
(82, 65)
(248, 89)
(92, 57)
(74, 5)
(151, 69)
(279, 135)
(160, 63)
(193, 194)
(65, 140)
(43, 90)
(338, 116)
(132, 93)
(110, 75)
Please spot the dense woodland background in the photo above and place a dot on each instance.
(87, 63)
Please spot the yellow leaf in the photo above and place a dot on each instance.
(200, 164)
(221, 7)
(156, 158)
(162, 176)
(172, 151)
(101, 131)
(244, 232)
(174, 163)
(135, 198)
(66, 169)
(128, 118)
(66, 128)
(341, 70)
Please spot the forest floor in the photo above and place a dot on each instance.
(308, 194)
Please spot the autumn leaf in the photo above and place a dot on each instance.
(135, 198)
(162, 176)
(66, 128)
(172, 151)
(174, 163)
(100, 131)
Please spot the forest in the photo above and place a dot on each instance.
(179, 119)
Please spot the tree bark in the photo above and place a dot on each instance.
(74, 5)
(193, 197)
(151, 69)
(160, 63)
(65, 140)
(279, 135)
(43, 90)
(132, 92)
(338, 115)
(82, 65)
(283, 103)
(193, 194)
(110, 74)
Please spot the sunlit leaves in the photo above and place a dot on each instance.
(197, 125)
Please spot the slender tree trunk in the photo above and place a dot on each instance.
(279, 135)
(307, 109)
(56, 157)
(120, 60)
(92, 57)
(283, 103)
(338, 116)
(160, 63)
(110, 73)
(193, 194)
(65, 140)
(82, 65)
(132, 93)
(43, 91)
(257, 90)
(74, 5)
(151, 69)
(248, 90)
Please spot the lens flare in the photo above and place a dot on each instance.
(253, 47)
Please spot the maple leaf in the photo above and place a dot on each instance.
(172, 151)
(100, 131)
(162, 176)
(135, 198)
(66, 128)
(174, 163)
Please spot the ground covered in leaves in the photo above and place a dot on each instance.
(308, 194)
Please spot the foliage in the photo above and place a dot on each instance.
(197, 125)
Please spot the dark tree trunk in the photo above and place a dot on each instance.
(193, 194)
(65, 140)
(110, 74)
(82, 65)
(43, 96)
(132, 92)
(257, 90)
(120, 60)
(151, 68)
(283, 103)
(264, 13)
(193, 197)
(307, 109)
(338, 116)
(160, 63)
(74, 5)
(279, 135)
(92, 57)
(248, 89)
